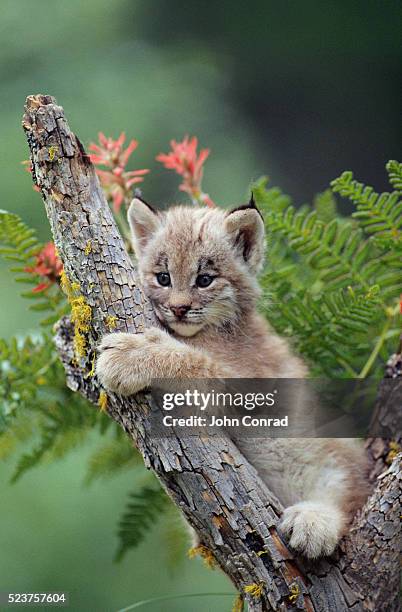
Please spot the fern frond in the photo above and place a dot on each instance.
(29, 460)
(327, 248)
(325, 206)
(111, 457)
(320, 273)
(394, 170)
(331, 329)
(139, 517)
(269, 199)
(337, 251)
(379, 214)
(18, 431)
(24, 364)
(62, 427)
(18, 243)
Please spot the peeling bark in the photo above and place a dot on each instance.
(219, 492)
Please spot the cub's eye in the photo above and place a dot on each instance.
(163, 279)
(203, 280)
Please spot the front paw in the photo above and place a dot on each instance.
(115, 365)
(313, 528)
(126, 361)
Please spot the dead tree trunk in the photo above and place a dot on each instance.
(221, 495)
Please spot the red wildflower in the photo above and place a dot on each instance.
(183, 158)
(48, 265)
(115, 180)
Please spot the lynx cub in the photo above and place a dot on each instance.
(198, 267)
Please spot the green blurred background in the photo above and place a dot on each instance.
(298, 91)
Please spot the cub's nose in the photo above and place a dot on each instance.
(180, 311)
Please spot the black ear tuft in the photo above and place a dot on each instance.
(245, 227)
(250, 205)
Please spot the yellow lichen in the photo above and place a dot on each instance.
(92, 370)
(88, 247)
(203, 552)
(238, 604)
(254, 589)
(70, 289)
(111, 321)
(394, 450)
(294, 592)
(102, 401)
(52, 152)
(65, 283)
(81, 314)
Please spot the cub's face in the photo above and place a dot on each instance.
(198, 265)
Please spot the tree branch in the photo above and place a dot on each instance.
(220, 494)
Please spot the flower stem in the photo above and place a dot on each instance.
(144, 602)
(377, 347)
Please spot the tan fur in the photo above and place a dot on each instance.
(320, 481)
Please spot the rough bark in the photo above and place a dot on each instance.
(220, 494)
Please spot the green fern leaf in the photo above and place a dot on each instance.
(29, 460)
(337, 252)
(330, 328)
(139, 517)
(378, 213)
(17, 240)
(62, 426)
(269, 199)
(112, 456)
(325, 206)
(18, 243)
(394, 170)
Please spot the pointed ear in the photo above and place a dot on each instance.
(245, 227)
(144, 221)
